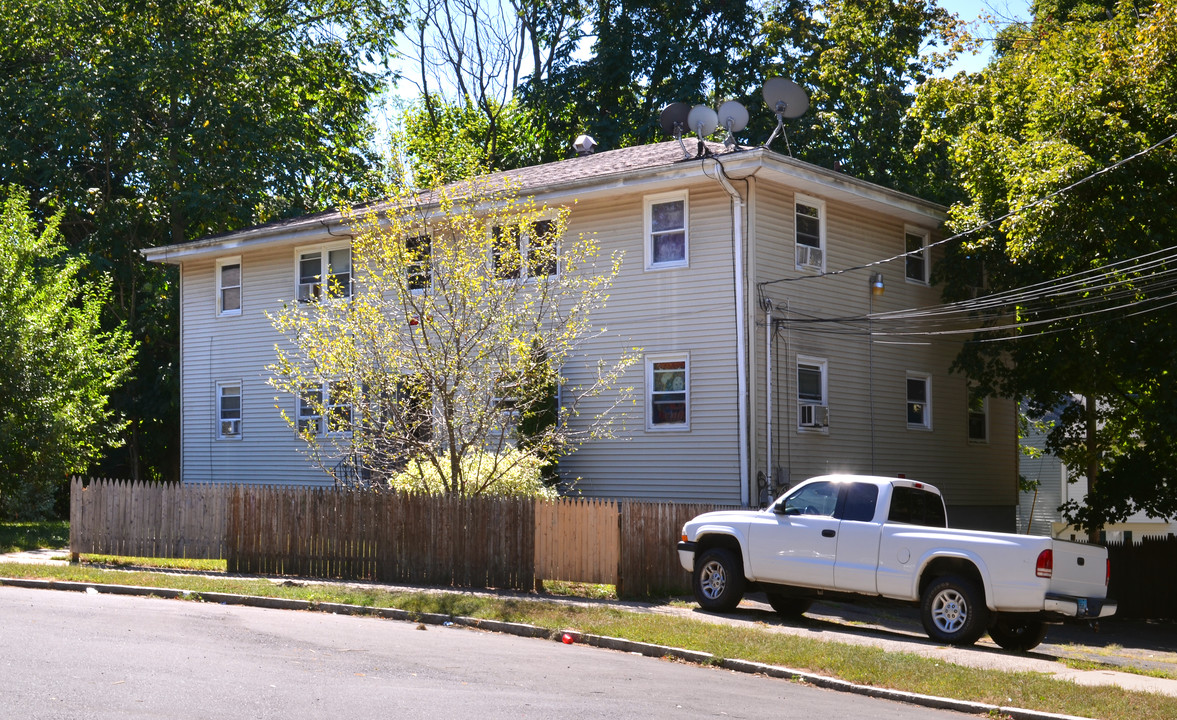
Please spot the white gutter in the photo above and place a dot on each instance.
(741, 332)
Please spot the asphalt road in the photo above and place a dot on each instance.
(75, 655)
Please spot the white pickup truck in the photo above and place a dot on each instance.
(847, 536)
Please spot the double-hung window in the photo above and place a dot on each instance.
(335, 405)
(916, 260)
(978, 417)
(813, 411)
(418, 261)
(228, 410)
(668, 398)
(666, 230)
(229, 286)
(809, 216)
(310, 409)
(524, 251)
(324, 272)
(919, 401)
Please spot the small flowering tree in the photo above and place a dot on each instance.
(439, 359)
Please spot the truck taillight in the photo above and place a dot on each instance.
(684, 537)
(1107, 576)
(1045, 565)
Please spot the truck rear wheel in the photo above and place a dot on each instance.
(719, 580)
(953, 611)
(1016, 633)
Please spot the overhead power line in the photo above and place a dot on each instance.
(981, 226)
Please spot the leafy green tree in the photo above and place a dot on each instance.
(59, 366)
(152, 122)
(470, 307)
(862, 62)
(1063, 101)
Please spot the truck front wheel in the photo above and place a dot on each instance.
(1016, 633)
(719, 580)
(953, 611)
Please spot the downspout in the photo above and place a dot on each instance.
(741, 331)
(768, 400)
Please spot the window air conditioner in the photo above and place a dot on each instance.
(809, 256)
(814, 416)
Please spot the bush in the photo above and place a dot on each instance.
(511, 473)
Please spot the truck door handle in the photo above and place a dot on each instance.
(828, 533)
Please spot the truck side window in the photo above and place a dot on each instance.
(860, 502)
(912, 506)
(816, 499)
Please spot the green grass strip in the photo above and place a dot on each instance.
(864, 665)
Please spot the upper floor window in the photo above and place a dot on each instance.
(810, 231)
(919, 401)
(229, 286)
(916, 247)
(324, 272)
(978, 418)
(812, 409)
(666, 231)
(418, 260)
(229, 410)
(669, 395)
(524, 251)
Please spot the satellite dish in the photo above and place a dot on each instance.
(702, 120)
(674, 118)
(733, 116)
(785, 97)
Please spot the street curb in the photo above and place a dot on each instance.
(534, 631)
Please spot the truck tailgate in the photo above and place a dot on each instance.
(1079, 570)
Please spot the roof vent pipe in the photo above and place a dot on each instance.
(584, 145)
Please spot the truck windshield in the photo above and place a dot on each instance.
(913, 506)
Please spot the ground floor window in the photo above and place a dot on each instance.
(668, 395)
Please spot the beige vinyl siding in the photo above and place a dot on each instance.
(970, 474)
(683, 310)
(238, 348)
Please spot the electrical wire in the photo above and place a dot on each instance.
(983, 225)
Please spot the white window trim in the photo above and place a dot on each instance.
(217, 409)
(969, 412)
(660, 358)
(927, 378)
(647, 216)
(927, 236)
(324, 421)
(824, 365)
(323, 249)
(221, 262)
(428, 267)
(524, 250)
(821, 228)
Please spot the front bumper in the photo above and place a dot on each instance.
(1079, 608)
(686, 555)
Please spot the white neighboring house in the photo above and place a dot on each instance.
(735, 390)
(1038, 511)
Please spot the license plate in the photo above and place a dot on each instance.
(1082, 605)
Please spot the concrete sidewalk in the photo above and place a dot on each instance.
(1125, 648)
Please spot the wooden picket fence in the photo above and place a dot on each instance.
(388, 537)
(121, 517)
(1144, 578)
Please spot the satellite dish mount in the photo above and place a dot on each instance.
(787, 100)
(674, 121)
